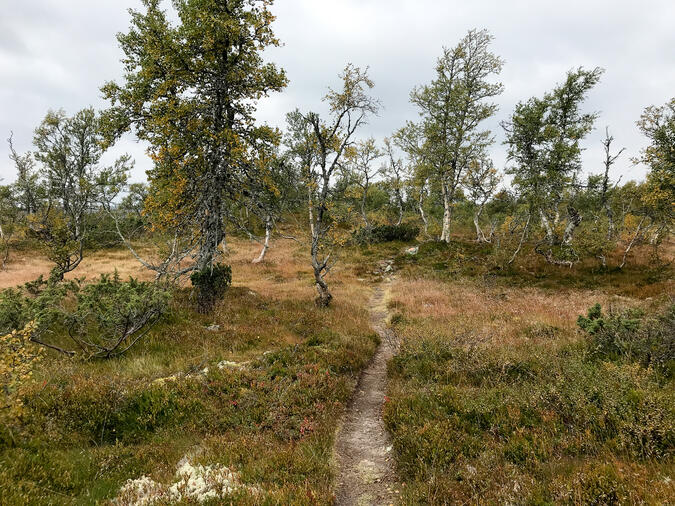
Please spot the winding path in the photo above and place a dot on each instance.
(363, 449)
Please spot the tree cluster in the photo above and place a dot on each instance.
(193, 79)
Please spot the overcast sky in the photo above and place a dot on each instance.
(57, 53)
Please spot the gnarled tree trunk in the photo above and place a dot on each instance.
(574, 220)
(480, 236)
(319, 269)
(550, 235)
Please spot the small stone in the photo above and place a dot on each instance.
(213, 328)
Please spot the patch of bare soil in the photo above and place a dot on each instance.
(363, 448)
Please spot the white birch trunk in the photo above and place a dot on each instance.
(266, 244)
(445, 233)
(550, 236)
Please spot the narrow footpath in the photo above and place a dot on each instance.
(363, 448)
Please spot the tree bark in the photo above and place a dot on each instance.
(266, 244)
(574, 221)
(324, 295)
(400, 214)
(364, 202)
(310, 207)
(420, 207)
(610, 221)
(522, 239)
(550, 235)
(399, 204)
(631, 243)
(447, 213)
(480, 236)
(212, 232)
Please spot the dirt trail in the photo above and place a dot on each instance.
(363, 449)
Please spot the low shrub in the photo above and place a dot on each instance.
(633, 337)
(112, 315)
(596, 485)
(386, 233)
(14, 311)
(38, 301)
(467, 422)
(210, 285)
(18, 359)
(104, 318)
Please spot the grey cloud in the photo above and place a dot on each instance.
(56, 54)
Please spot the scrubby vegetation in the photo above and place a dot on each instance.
(386, 233)
(255, 386)
(534, 312)
(497, 397)
(630, 336)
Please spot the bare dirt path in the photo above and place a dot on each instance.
(363, 449)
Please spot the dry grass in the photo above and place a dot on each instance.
(496, 315)
(494, 399)
(28, 265)
(285, 273)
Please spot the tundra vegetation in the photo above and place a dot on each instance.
(188, 322)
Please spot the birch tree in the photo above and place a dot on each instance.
(273, 192)
(361, 171)
(396, 174)
(322, 144)
(190, 89)
(409, 140)
(481, 181)
(302, 151)
(65, 171)
(28, 190)
(9, 221)
(452, 109)
(658, 125)
(544, 138)
(607, 186)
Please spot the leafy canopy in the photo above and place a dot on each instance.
(191, 90)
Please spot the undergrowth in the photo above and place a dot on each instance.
(493, 401)
(268, 412)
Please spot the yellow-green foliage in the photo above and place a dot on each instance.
(18, 358)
